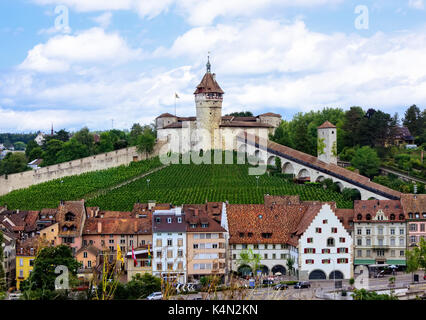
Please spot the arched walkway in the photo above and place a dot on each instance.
(320, 179)
(288, 168)
(278, 268)
(264, 269)
(244, 270)
(242, 148)
(303, 173)
(271, 161)
(317, 275)
(340, 186)
(337, 274)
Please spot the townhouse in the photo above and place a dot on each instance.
(324, 245)
(414, 206)
(265, 230)
(71, 216)
(206, 243)
(169, 245)
(26, 252)
(380, 233)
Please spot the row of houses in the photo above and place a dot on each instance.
(187, 242)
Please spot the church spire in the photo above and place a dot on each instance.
(208, 64)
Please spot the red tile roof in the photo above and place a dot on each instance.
(71, 228)
(166, 115)
(208, 85)
(326, 125)
(371, 207)
(118, 226)
(413, 203)
(270, 114)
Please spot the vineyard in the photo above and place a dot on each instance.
(178, 184)
(49, 194)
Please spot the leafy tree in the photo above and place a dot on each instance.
(72, 150)
(43, 275)
(14, 162)
(146, 143)
(85, 137)
(248, 257)
(62, 135)
(138, 288)
(241, 114)
(290, 264)
(35, 153)
(106, 143)
(30, 146)
(414, 120)
(366, 161)
(371, 295)
(53, 146)
(19, 146)
(351, 124)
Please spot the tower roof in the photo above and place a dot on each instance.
(208, 84)
(326, 125)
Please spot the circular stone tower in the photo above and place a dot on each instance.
(208, 101)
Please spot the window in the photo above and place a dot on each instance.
(392, 241)
(179, 220)
(401, 231)
(359, 242)
(325, 261)
(325, 221)
(170, 266)
(169, 220)
(368, 242)
(333, 230)
(368, 254)
(368, 216)
(159, 266)
(195, 246)
(342, 260)
(157, 219)
(325, 251)
(342, 240)
(367, 231)
(241, 234)
(422, 227)
(330, 242)
(255, 246)
(169, 254)
(401, 241)
(244, 246)
(359, 217)
(250, 234)
(204, 225)
(309, 261)
(84, 254)
(89, 264)
(359, 231)
(310, 240)
(318, 230)
(392, 231)
(274, 256)
(392, 253)
(359, 253)
(380, 253)
(413, 239)
(380, 230)
(266, 235)
(180, 253)
(342, 250)
(158, 254)
(413, 227)
(169, 242)
(180, 265)
(401, 253)
(266, 256)
(309, 250)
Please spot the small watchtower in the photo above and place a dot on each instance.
(327, 143)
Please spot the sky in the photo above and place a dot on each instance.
(108, 64)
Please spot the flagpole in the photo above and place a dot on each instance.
(175, 106)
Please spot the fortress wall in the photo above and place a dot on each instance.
(93, 163)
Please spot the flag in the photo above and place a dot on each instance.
(149, 256)
(176, 96)
(119, 255)
(134, 256)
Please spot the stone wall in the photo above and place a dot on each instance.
(93, 163)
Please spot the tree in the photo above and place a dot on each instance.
(135, 132)
(53, 146)
(146, 143)
(62, 135)
(414, 121)
(14, 162)
(366, 161)
(43, 275)
(35, 153)
(290, 264)
(72, 150)
(350, 126)
(138, 288)
(240, 114)
(416, 257)
(30, 146)
(85, 137)
(19, 146)
(248, 257)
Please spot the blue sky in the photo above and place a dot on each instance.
(124, 60)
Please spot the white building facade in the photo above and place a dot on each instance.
(325, 248)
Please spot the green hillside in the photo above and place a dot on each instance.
(177, 184)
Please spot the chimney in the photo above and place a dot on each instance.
(151, 204)
(99, 227)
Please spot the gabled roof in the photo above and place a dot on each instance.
(326, 125)
(270, 114)
(118, 226)
(413, 203)
(166, 115)
(208, 85)
(89, 248)
(198, 215)
(371, 207)
(74, 228)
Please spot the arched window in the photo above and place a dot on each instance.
(410, 215)
(359, 216)
(330, 242)
(368, 216)
(401, 217)
(392, 216)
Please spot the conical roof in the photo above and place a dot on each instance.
(208, 85)
(326, 124)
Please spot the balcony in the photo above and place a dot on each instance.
(380, 246)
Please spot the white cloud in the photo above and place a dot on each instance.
(416, 4)
(59, 53)
(104, 20)
(196, 12)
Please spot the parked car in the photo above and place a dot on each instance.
(281, 286)
(155, 296)
(301, 285)
(15, 296)
(268, 282)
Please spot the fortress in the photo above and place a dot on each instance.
(210, 130)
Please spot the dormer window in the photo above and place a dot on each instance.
(392, 217)
(157, 219)
(401, 217)
(179, 220)
(193, 225)
(69, 216)
(241, 234)
(250, 234)
(368, 216)
(359, 217)
(266, 235)
(169, 220)
(204, 225)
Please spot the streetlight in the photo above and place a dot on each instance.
(147, 181)
(257, 181)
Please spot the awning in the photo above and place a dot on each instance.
(364, 261)
(396, 262)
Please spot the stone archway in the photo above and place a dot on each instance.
(339, 185)
(244, 270)
(303, 174)
(317, 275)
(320, 179)
(264, 269)
(279, 268)
(288, 168)
(271, 161)
(336, 273)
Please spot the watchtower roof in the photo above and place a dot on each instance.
(326, 125)
(208, 85)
